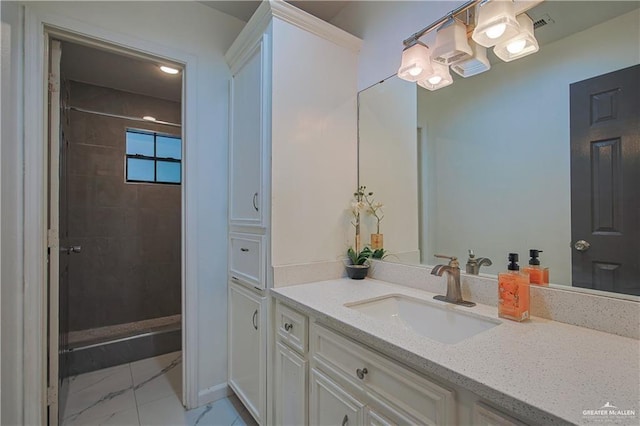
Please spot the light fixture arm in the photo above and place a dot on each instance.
(462, 8)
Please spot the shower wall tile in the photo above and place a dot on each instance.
(129, 268)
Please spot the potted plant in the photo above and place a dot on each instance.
(373, 208)
(358, 263)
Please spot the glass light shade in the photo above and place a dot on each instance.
(451, 43)
(439, 78)
(416, 62)
(477, 64)
(496, 21)
(523, 44)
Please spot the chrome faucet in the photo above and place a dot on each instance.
(473, 264)
(454, 294)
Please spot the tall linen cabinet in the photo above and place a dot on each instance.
(292, 168)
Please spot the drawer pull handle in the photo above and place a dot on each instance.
(244, 249)
(361, 373)
(345, 421)
(288, 326)
(255, 201)
(254, 320)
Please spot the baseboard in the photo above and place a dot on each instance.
(213, 393)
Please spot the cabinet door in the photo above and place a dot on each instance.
(332, 405)
(247, 350)
(247, 136)
(291, 386)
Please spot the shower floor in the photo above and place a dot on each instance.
(119, 331)
(98, 348)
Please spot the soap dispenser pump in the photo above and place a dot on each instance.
(537, 274)
(513, 291)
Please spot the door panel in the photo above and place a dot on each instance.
(331, 405)
(291, 386)
(53, 344)
(246, 343)
(605, 176)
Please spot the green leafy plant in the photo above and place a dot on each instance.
(359, 257)
(379, 254)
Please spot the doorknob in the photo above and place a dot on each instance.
(582, 245)
(72, 249)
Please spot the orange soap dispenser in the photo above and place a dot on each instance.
(513, 291)
(537, 274)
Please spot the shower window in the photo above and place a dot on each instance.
(153, 157)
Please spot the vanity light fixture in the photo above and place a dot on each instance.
(523, 44)
(439, 78)
(496, 21)
(169, 70)
(149, 118)
(477, 64)
(451, 43)
(416, 62)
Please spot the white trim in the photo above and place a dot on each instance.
(299, 18)
(35, 201)
(294, 16)
(214, 393)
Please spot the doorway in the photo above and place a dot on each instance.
(115, 197)
(605, 206)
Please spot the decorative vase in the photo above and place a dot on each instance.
(377, 241)
(357, 272)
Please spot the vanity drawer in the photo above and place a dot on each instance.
(484, 415)
(246, 259)
(292, 327)
(369, 372)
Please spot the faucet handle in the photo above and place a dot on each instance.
(453, 261)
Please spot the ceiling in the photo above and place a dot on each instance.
(108, 69)
(325, 10)
(143, 76)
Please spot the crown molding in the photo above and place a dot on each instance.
(285, 12)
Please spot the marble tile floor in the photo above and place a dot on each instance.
(145, 392)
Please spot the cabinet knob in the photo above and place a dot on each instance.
(361, 373)
(288, 326)
(345, 421)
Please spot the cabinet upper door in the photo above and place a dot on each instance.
(246, 152)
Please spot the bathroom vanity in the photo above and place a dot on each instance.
(340, 359)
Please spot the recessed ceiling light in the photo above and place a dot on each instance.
(169, 70)
(149, 118)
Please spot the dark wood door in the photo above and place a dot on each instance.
(605, 182)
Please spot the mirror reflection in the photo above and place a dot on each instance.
(539, 153)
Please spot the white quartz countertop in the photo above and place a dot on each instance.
(546, 372)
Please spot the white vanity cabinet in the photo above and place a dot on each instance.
(325, 378)
(247, 347)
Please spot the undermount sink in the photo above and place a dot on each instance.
(441, 323)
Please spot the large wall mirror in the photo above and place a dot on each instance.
(493, 163)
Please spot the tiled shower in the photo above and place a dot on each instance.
(123, 293)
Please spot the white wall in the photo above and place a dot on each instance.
(11, 216)
(499, 147)
(313, 146)
(205, 34)
(388, 163)
(383, 25)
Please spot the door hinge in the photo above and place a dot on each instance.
(52, 238)
(52, 395)
(54, 83)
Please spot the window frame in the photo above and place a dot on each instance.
(153, 158)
